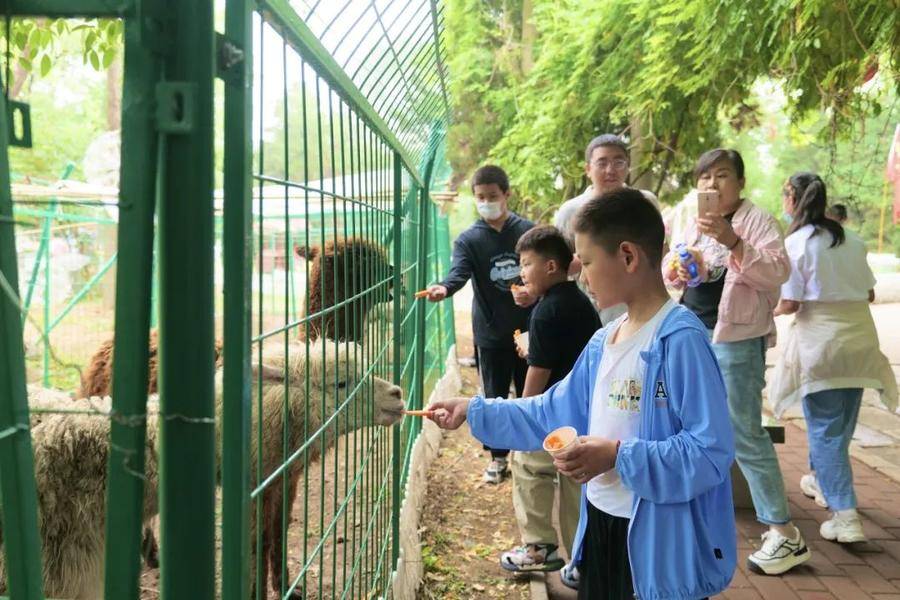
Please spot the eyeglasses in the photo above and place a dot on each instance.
(617, 164)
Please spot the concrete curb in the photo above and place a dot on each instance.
(538, 587)
(410, 569)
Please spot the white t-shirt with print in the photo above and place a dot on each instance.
(615, 405)
(822, 273)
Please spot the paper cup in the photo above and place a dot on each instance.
(560, 439)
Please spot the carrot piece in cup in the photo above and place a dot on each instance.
(560, 439)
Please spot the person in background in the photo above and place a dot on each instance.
(837, 212)
(607, 163)
(486, 254)
(832, 350)
(743, 265)
(561, 324)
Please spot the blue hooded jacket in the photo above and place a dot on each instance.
(681, 539)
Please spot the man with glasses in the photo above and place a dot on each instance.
(606, 165)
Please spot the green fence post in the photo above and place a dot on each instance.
(397, 431)
(448, 323)
(45, 379)
(422, 281)
(186, 307)
(137, 197)
(238, 271)
(17, 485)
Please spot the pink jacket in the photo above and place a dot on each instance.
(752, 286)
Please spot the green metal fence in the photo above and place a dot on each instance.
(334, 120)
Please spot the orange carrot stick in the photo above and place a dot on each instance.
(421, 294)
(419, 413)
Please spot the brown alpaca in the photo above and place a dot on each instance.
(344, 269)
(97, 377)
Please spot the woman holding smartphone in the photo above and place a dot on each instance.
(739, 249)
(832, 349)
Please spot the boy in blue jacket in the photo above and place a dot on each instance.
(648, 401)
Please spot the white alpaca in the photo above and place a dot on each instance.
(71, 453)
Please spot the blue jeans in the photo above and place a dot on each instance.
(743, 367)
(830, 421)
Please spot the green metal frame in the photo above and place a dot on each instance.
(380, 130)
(186, 312)
(140, 150)
(17, 486)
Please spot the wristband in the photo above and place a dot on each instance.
(736, 242)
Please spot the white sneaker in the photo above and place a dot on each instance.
(496, 471)
(844, 527)
(809, 485)
(778, 554)
(569, 576)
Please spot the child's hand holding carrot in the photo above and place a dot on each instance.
(449, 414)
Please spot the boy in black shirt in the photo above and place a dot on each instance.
(562, 323)
(486, 253)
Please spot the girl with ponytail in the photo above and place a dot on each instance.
(832, 351)
(809, 209)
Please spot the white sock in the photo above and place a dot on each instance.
(848, 513)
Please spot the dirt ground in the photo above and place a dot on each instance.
(352, 558)
(466, 524)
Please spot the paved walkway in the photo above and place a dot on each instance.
(858, 572)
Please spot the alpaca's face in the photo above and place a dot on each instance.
(334, 373)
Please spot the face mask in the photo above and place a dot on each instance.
(489, 211)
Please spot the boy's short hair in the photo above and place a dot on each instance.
(547, 242)
(489, 174)
(623, 215)
(606, 139)
(838, 212)
(711, 157)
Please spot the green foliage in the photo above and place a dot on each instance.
(64, 62)
(66, 113)
(663, 73)
(852, 163)
(36, 44)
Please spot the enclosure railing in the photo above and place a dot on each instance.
(334, 120)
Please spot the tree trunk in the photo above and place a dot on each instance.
(114, 95)
(529, 33)
(19, 77)
(638, 152)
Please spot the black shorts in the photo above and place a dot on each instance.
(604, 571)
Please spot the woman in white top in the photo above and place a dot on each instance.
(832, 351)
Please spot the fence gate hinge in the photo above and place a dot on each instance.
(175, 106)
(18, 121)
(229, 59)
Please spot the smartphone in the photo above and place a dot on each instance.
(707, 202)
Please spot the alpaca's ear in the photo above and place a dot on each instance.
(307, 252)
(267, 372)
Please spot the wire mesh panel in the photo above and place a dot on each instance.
(344, 234)
(324, 232)
(339, 226)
